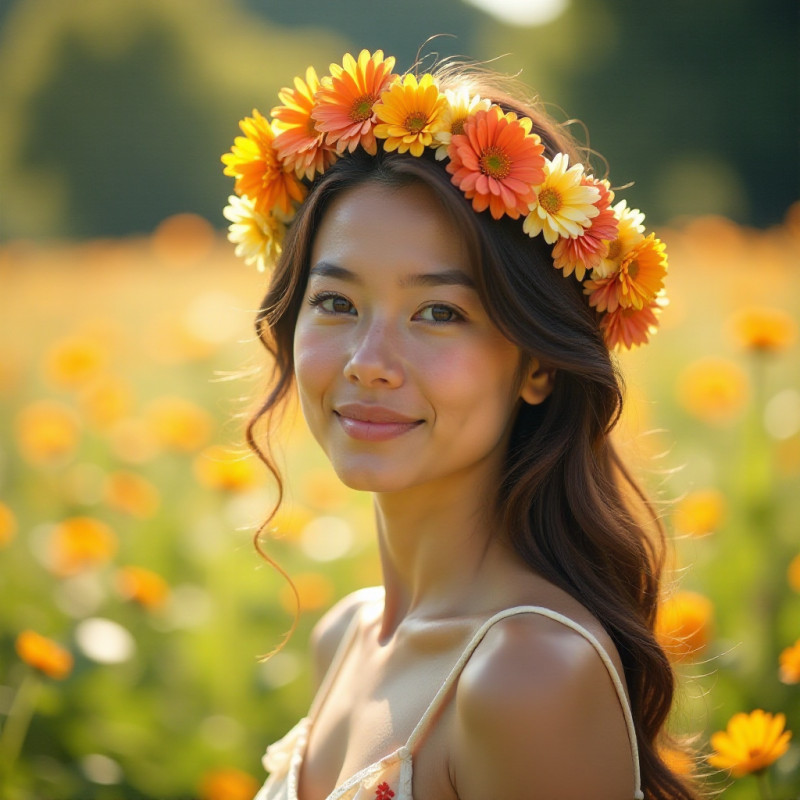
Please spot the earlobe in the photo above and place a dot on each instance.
(537, 384)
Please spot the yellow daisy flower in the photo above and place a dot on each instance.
(630, 231)
(258, 237)
(458, 108)
(564, 205)
(751, 742)
(410, 113)
(642, 272)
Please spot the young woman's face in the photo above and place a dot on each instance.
(402, 377)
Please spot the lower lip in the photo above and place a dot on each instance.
(374, 431)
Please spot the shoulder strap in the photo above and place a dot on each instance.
(452, 677)
(336, 664)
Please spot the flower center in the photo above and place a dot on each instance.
(415, 121)
(361, 109)
(495, 162)
(614, 250)
(457, 128)
(550, 200)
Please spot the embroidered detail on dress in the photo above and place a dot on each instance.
(384, 792)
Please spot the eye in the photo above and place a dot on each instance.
(332, 303)
(438, 312)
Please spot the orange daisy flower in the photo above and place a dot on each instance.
(259, 174)
(345, 102)
(410, 113)
(300, 146)
(629, 326)
(751, 742)
(44, 654)
(585, 252)
(641, 273)
(496, 162)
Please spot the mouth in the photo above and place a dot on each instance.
(374, 423)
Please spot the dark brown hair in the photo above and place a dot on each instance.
(569, 506)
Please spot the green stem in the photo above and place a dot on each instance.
(763, 784)
(18, 720)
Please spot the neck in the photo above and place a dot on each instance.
(442, 551)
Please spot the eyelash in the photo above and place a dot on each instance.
(316, 300)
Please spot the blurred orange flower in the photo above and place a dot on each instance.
(80, 543)
(44, 654)
(764, 329)
(700, 512)
(683, 625)
(219, 468)
(8, 525)
(73, 361)
(227, 784)
(143, 586)
(751, 742)
(106, 400)
(678, 761)
(790, 663)
(314, 589)
(132, 494)
(793, 573)
(713, 389)
(47, 432)
(183, 240)
(178, 424)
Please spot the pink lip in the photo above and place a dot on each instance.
(373, 423)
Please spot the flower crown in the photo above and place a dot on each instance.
(491, 155)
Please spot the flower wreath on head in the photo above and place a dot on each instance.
(492, 156)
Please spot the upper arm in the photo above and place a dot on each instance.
(329, 631)
(537, 716)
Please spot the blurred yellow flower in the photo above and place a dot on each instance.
(73, 361)
(315, 591)
(683, 625)
(793, 573)
(106, 400)
(220, 468)
(713, 389)
(178, 424)
(751, 742)
(47, 432)
(700, 512)
(227, 784)
(289, 522)
(142, 586)
(8, 525)
(132, 494)
(44, 654)
(183, 240)
(764, 329)
(790, 663)
(80, 543)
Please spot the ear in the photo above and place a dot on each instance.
(537, 383)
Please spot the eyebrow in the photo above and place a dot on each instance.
(446, 277)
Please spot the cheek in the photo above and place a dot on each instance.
(315, 361)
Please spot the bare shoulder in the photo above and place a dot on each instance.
(332, 626)
(538, 715)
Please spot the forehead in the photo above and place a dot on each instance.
(389, 226)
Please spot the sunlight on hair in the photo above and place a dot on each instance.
(523, 12)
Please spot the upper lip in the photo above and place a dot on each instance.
(370, 413)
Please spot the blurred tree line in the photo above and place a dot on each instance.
(113, 113)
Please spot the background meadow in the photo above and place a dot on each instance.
(128, 365)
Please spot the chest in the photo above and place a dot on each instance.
(376, 702)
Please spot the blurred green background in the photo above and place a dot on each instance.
(127, 505)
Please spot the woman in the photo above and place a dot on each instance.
(449, 284)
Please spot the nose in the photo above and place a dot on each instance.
(374, 360)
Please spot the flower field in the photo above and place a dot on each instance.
(133, 605)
